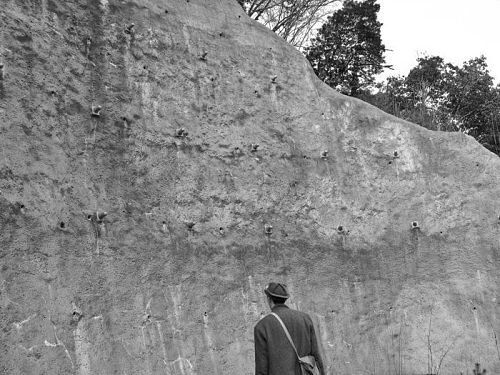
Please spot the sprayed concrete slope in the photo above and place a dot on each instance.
(170, 280)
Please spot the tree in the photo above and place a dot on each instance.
(293, 20)
(491, 134)
(391, 96)
(425, 82)
(470, 94)
(348, 52)
(421, 97)
(426, 93)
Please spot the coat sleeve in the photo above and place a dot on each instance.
(315, 349)
(261, 355)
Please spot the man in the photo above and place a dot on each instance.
(274, 355)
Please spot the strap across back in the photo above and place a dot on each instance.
(286, 333)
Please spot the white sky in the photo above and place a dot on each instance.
(456, 30)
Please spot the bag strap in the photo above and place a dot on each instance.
(287, 334)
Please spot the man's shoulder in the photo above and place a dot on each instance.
(264, 321)
(299, 315)
(298, 312)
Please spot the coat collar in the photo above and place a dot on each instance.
(281, 306)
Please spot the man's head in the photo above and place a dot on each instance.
(276, 294)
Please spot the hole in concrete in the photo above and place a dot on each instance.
(341, 230)
(101, 216)
(254, 147)
(268, 229)
(390, 162)
(414, 224)
(76, 316)
(166, 11)
(236, 151)
(96, 110)
(181, 132)
(145, 67)
(128, 29)
(97, 217)
(62, 225)
(324, 154)
(396, 154)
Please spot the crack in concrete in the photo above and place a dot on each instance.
(19, 325)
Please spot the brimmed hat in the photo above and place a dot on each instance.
(277, 290)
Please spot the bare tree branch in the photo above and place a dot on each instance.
(293, 20)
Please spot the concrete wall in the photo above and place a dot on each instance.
(140, 292)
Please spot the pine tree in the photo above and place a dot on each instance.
(347, 52)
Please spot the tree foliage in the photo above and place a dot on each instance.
(293, 20)
(443, 96)
(418, 97)
(472, 98)
(347, 53)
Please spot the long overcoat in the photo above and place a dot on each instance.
(274, 354)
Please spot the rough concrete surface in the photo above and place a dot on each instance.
(170, 280)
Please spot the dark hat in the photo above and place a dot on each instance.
(276, 290)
